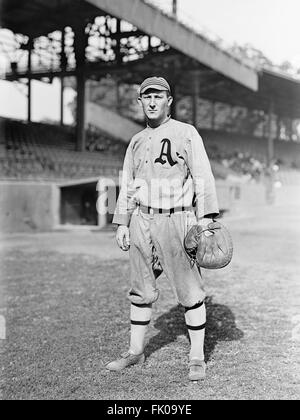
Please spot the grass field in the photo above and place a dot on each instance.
(63, 296)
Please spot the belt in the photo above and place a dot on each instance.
(150, 210)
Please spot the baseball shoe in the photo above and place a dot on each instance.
(127, 359)
(197, 370)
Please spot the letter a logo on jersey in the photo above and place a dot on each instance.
(166, 144)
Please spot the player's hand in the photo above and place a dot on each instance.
(204, 222)
(123, 238)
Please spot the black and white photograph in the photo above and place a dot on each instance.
(149, 202)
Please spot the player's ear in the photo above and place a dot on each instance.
(139, 101)
(170, 100)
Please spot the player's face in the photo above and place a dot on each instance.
(156, 105)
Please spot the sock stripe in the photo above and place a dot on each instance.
(140, 322)
(197, 328)
(198, 305)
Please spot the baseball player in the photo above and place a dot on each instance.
(167, 187)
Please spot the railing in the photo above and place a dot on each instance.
(165, 6)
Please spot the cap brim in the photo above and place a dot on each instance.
(156, 87)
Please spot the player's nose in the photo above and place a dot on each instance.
(152, 103)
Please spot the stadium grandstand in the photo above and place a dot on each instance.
(43, 152)
(84, 44)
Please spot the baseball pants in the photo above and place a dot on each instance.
(161, 237)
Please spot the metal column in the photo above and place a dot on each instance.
(29, 101)
(195, 97)
(174, 8)
(80, 46)
(270, 159)
(81, 92)
(270, 190)
(213, 115)
(174, 95)
(62, 88)
(63, 65)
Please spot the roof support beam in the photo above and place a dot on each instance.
(270, 135)
(81, 92)
(213, 115)
(63, 65)
(80, 47)
(62, 100)
(29, 96)
(270, 191)
(195, 97)
(174, 103)
(174, 7)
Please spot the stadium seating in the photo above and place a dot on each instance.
(247, 156)
(225, 145)
(38, 151)
(45, 152)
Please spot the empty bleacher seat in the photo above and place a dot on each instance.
(46, 152)
(39, 151)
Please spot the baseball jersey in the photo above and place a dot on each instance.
(166, 167)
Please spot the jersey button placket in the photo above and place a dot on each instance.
(148, 149)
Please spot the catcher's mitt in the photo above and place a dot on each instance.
(209, 247)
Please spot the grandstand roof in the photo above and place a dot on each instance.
(222, 77)
(48, 16)
(18, 16)
(282, 90)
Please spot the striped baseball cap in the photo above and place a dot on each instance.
(158, 83)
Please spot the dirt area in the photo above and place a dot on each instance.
(63, 299)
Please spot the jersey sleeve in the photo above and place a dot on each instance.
(126, 203)
(203, 179)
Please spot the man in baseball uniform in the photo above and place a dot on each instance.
(167, 187)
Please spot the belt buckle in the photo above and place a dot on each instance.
(151, 212)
